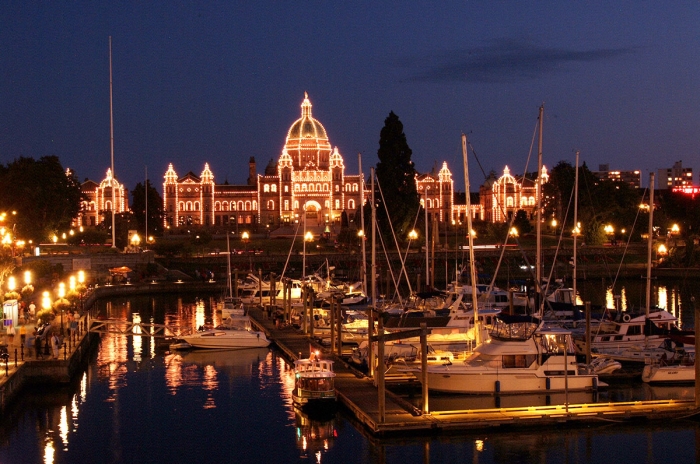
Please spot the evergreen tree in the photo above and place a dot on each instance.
(155, 209)
(397, 177)
(45, 196)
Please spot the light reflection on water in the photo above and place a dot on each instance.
(138, 403)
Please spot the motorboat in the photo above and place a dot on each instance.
(630, 331)
(659, 372)
(235, 333)
(521, 356)
(314, 383)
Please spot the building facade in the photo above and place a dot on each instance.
(308, 182)
(674, 177)
(632, 178)
(97, 207)
(500, 198)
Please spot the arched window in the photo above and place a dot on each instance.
(296, 204)
(303, 187)
(318, 187)
(196, 206)
(532, 201)
(337, 188)
(266, 188)
(181, 206)
(509, 202)
(255, 205)
(286, 188)
(217, 206)
(430, 203)
(108, 205)
(247, 206)
(327, 204)
(233, 206)
(351, 204)
(271, 205)
(354, 187)
(325, 187)
(273, 187)
(240, 206)
(286, 205)
(311, 188)
(348, 188)
(296, 187)
(337, 204)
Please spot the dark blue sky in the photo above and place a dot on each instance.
(218, 82)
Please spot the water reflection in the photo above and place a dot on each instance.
(314, 437)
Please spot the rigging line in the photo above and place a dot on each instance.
(290, 249)
(512, 220)
(403, 259)
(391, 271)
(391, 226)
(629, 238)
(556, 252)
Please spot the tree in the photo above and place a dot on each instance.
(521, 222)
(45, 196)
(397, 179)
(155, 209)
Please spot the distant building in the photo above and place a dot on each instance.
(677, 176)
(500, 198)
(632, 178)
(97, 207)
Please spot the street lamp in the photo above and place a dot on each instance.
(308, 237)
(61, 295)
(245, 236)
(413, 235)
(513, 232)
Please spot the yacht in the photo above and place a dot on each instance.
(236, 333)
(521, 356)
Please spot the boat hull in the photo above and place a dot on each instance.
(512, 381)
(655, 374)
(235, 340)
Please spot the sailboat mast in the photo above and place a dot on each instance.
(362, 225)
(111, 146)
(228, 264)
(538, 257)
(650, 241)
(575, 222)
(472, 263)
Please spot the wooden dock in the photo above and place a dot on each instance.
(358, 394)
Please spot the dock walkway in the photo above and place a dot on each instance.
(359, 395)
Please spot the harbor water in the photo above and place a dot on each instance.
(138, 402)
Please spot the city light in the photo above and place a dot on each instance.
(412, 235)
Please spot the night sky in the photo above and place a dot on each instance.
(218, 82)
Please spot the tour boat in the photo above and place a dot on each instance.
(236, 333)
(314, 383)
(520, 357)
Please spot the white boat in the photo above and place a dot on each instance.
(631, 331)
(520, 357)
(314, 383)
(237, 333)
(661, 373)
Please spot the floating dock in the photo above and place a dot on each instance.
(358, 394)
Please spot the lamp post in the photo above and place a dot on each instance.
(245, 236)
(308, 237)
(81, 281)
(61, 295)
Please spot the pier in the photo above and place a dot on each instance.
(358, 394)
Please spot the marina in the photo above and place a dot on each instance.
(121, 357)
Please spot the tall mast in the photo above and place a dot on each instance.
(362, 225)
(146, 200)
(538, 257)
(111, 146)
(575, 221)
(472, 264)
(425, 211)
(650, 241)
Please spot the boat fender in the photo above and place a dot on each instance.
(626, 317)
(498, 386)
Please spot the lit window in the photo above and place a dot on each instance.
(266, 188)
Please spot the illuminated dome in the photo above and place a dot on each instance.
(307, 141)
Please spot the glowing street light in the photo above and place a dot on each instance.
(11, 284)
(513, 232)
(413, 235)
(663, 251)
(675, 229)
(27, 277)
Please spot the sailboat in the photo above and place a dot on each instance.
(230, 306)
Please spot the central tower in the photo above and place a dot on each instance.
(307, 141)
